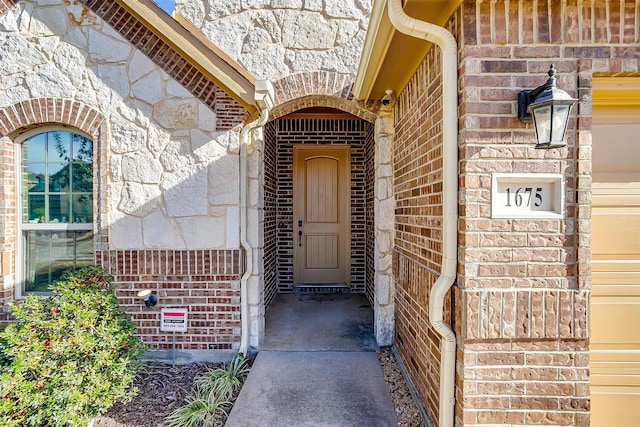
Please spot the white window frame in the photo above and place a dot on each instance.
(20, 225)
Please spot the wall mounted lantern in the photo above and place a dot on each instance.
(548, 107)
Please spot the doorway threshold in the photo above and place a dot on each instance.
(321, 288)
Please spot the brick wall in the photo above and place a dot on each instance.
(206, 282)
(320, 131)
(522, 296)
(370, 231)
(7, 225)
(6, 5)
(417, 158)
(270, 229)
(521, 302)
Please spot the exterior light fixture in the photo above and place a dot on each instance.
(149, 299)
(548, 107)
(387, 98)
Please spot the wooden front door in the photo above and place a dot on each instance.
(321, 215)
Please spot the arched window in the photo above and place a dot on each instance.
(56, 205)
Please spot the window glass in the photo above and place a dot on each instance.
(57, 225)
(48, 254)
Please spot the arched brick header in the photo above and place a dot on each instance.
(350, 107)
(22, 116)
(317, 89)
(313, 83)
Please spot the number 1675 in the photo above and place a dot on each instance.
(523, 196)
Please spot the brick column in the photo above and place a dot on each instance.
(7, 226)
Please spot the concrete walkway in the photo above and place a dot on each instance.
(318, 367)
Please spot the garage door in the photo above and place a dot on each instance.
(615, 302)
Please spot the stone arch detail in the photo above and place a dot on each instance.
(23, 116)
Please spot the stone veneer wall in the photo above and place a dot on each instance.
(172, 62)
(522, 300)
(320, 131)
(166, 159)
(274, 38)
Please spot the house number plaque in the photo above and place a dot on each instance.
(527, 195)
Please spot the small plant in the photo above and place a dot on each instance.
(201, 409)
(225, 379)
(211, 394)
(71, 355)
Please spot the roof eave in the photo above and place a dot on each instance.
(231, 77)
(379, 34)
(377, 72)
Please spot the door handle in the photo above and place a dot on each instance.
(300, 238)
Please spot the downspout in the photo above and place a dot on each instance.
(264, 101)
(447, 43)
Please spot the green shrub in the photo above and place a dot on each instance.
(5, 359)
(72, 354)
(211, 395)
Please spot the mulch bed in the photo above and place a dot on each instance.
(163, 388)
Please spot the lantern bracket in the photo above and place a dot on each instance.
(527, 96)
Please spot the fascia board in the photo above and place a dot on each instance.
(382, 40)
(377, 40)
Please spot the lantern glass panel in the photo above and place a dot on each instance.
(559, 120)
(542, 122)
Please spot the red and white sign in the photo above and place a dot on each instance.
(173, 320)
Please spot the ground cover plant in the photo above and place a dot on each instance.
(212, 394)
(69, 356)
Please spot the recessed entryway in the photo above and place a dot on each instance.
(316, 322)
(317, 167)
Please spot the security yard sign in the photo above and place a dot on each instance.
(173, 320)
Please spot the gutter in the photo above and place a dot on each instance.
(447, 43)
(263, 97)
